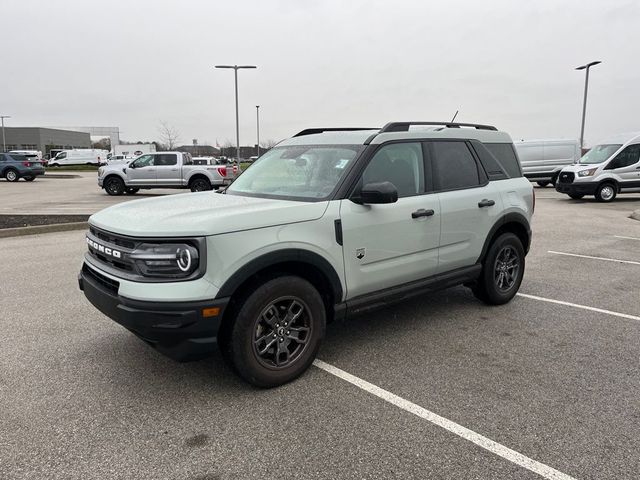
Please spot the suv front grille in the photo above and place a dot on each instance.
(111, 249)
(566, 177)
(111, 285)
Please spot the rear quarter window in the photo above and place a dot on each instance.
(506, 156)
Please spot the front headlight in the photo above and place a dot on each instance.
(167, 260)
(587, 173)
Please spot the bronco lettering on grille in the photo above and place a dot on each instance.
(102, 249)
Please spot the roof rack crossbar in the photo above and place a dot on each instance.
(404, 126)
(312, 131)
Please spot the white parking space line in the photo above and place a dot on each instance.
(628, 238)
(594, 258)
(583, 307)
(463, 432)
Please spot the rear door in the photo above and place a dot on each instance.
(470, 205)
(391, 244)
(142, 171)
(167, 169)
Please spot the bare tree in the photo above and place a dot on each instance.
(268, 143)
(168, 135)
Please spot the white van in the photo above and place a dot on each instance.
(80, 156)
(609, 168)
(542, 160)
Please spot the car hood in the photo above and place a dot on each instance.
(201, 214)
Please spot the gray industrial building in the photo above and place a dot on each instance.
(44, 139)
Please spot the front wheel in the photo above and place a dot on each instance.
(606, 192)
(277, 332)
(114, 186)
(575, 196)
(502, 271)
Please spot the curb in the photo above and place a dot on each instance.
(635, 215)
(35, 229)
(59, 175)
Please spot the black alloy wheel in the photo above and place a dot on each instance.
(273, 330)
(506, 268)
(114, 186)
(200, 185)
(281, 332)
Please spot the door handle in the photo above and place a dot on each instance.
(486, 203)
(422, 213)
(174, 169)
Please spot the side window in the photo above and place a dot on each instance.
(165, 160)
(505, 154)
(143, 161)
(2, 159)
(626, 157)
(399, 163)
(455, 166)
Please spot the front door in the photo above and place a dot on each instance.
(391, 244)
(626, 165)
(142, 171)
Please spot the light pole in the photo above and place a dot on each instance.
(235, 71)
(258, 128)
(584, 102)
(4, 143)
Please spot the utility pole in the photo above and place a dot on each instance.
(235, 70)
(584, 102)
(4, 142)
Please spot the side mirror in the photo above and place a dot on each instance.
(375, 193)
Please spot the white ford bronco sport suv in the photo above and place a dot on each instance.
(326, 224)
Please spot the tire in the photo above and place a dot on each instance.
(30, 179)
(132, 191)
(554, 180)
(498, 283)
(200, 185)
(543, 184)
(606, 192)
(114, 186)
(11, 175)
(255, 354)
(576, 196)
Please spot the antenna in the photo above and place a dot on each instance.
(454, 117)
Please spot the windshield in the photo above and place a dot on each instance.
(598, 154)
(296, 172)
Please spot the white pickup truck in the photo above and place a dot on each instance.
(163, 170)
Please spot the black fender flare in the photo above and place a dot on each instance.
(512, 217)
(288, 255)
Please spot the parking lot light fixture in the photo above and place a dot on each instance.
(4, 143)
(258, 129)
(235, 69)
(584, 102)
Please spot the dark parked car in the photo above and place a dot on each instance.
(13, 167)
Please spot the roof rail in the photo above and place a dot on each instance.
(404, 126)
(311, 131)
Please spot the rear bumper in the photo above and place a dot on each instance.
(176, 329)
(577, 188)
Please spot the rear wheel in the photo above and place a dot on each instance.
(543, 184)
(502, 271)
(114, 186)
(575, 196)
(200, 185)
(11, 175)
(606, 192)
(277, 332)
(30, 179)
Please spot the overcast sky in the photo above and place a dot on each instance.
(134, 63)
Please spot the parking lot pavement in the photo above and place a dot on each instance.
(82, 398)
(53, 195)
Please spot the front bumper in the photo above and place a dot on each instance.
(577, 188)
(176, 329)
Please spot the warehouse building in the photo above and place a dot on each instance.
(44, 139)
